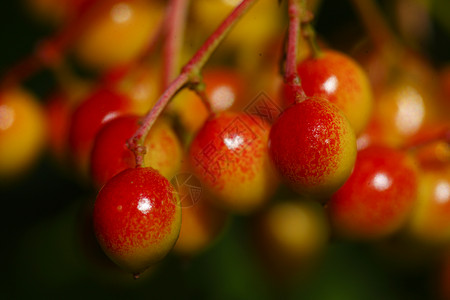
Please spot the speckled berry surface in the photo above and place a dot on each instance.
(137, 218)
(378, 197)
(313, 147)
(229, 155)
(339, 79)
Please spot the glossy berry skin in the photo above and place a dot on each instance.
(98, 108)
(229, 156)
(403, 109)
(430, 219)
(142, 85)
(313, 147)
(377, 199)
(110, 21)
(137, 218)
(338, 78)
(110, 154)
(22, 132)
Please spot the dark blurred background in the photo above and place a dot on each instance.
(42, 252)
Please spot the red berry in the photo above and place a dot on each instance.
(313, 147)
(137, 218)
(98, 108)
(338, 78)
(378, 197)
(229, 155)
(110, 154)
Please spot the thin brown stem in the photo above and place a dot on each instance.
(291, 75)
(136, 142)
(310, 34)
(176, 21)
(202, 55)
(190, 71)
(199, 89)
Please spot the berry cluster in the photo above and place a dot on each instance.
(179, 115)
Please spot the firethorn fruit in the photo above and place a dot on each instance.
(229, 155)
(22, 132)
(133, 21)
(101, 106)
(110, 154)
(313, 147)
(401, 110)
(338, 78)
(137, 218)
(377, 199)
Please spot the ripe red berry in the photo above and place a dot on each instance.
(110, 154)
(338, 78)
(137, 218)
(313, 147)
(229, 156)
(98, 108)
(378, 197)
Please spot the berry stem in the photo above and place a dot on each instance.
(176, 21)
(291, 75)
(189, 73)
(202, 55)
(310, 34)
(136, 142)
(199, 89)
